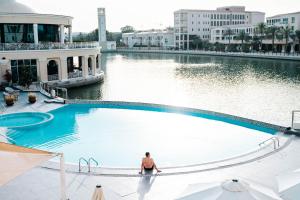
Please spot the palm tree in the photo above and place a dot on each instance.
(286, 32)
(228, 32)
(271, 32)
(297, 34)
(197, 42)
(243, 36)
(261, 30)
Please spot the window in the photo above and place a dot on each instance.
(293, 19)
(48, 33)
(16, 33)
(23, 69)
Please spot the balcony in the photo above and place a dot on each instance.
(75, 74)
(46, 46)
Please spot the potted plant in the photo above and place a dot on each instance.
(7, 77)
(9, 100)
(31, 98)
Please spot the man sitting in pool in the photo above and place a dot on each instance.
(148, 164)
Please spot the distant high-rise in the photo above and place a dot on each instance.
(101, 25)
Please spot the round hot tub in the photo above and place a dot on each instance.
(24, 119)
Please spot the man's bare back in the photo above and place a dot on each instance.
(148, 164)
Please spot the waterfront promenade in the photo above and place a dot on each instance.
(266, 55)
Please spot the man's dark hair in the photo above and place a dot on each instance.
(147, 154)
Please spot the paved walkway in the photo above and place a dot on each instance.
(268, 55)
(22, 105)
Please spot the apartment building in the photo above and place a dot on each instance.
(151, 38)
(189, 24)
(218, 34)
(291, 20)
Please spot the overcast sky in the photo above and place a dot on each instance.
(145, 14)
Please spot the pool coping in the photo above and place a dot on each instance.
(182, 110)
(239, 159)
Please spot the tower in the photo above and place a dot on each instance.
(101, 25)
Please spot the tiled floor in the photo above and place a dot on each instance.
(22, 104)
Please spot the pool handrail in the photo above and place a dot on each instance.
(275, 141)
(89, 163)
(79, 163)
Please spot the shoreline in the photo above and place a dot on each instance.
(279, 56)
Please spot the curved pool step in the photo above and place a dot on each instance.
(249, 157)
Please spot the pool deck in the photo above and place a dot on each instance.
(43, 183)
(22, 105)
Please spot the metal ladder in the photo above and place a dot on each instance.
(294, 112)
(88, 163)
(275, 141)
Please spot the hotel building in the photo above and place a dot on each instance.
(291, 20)
(218, 34)
(37, 43)
(189, 24)
(152, 38)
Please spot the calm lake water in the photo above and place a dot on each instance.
(265, 90)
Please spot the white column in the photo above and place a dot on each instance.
(293, 48)
(62, 34)
(283, 49)
(99, 62)
(70, 34)
(35, 34)
(63, 69)
(42, 65)
(94, 63)
(85, 70)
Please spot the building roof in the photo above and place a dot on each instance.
(280, 15)
(11, 6)
(215, 11)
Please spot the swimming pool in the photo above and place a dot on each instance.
(119, 135)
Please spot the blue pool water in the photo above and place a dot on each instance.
(118, 136)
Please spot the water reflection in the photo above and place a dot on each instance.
(261, 89)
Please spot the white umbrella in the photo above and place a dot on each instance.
(289, 185)
(98, 193)
(232, 189)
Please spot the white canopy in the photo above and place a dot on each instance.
(16, 160)
(232, 189)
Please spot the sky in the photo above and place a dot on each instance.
(143, 14)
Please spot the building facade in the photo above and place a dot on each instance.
(291, 20)
(220, 34)
(152, 38)
(191, 24)
(42, 45)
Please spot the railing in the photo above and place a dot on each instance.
(79, 163)
(275, 141)
(88, 163)
(53, 77)
(48, 89)
(295, 125)
(46, 46)
(171, 49)
(76, 74)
